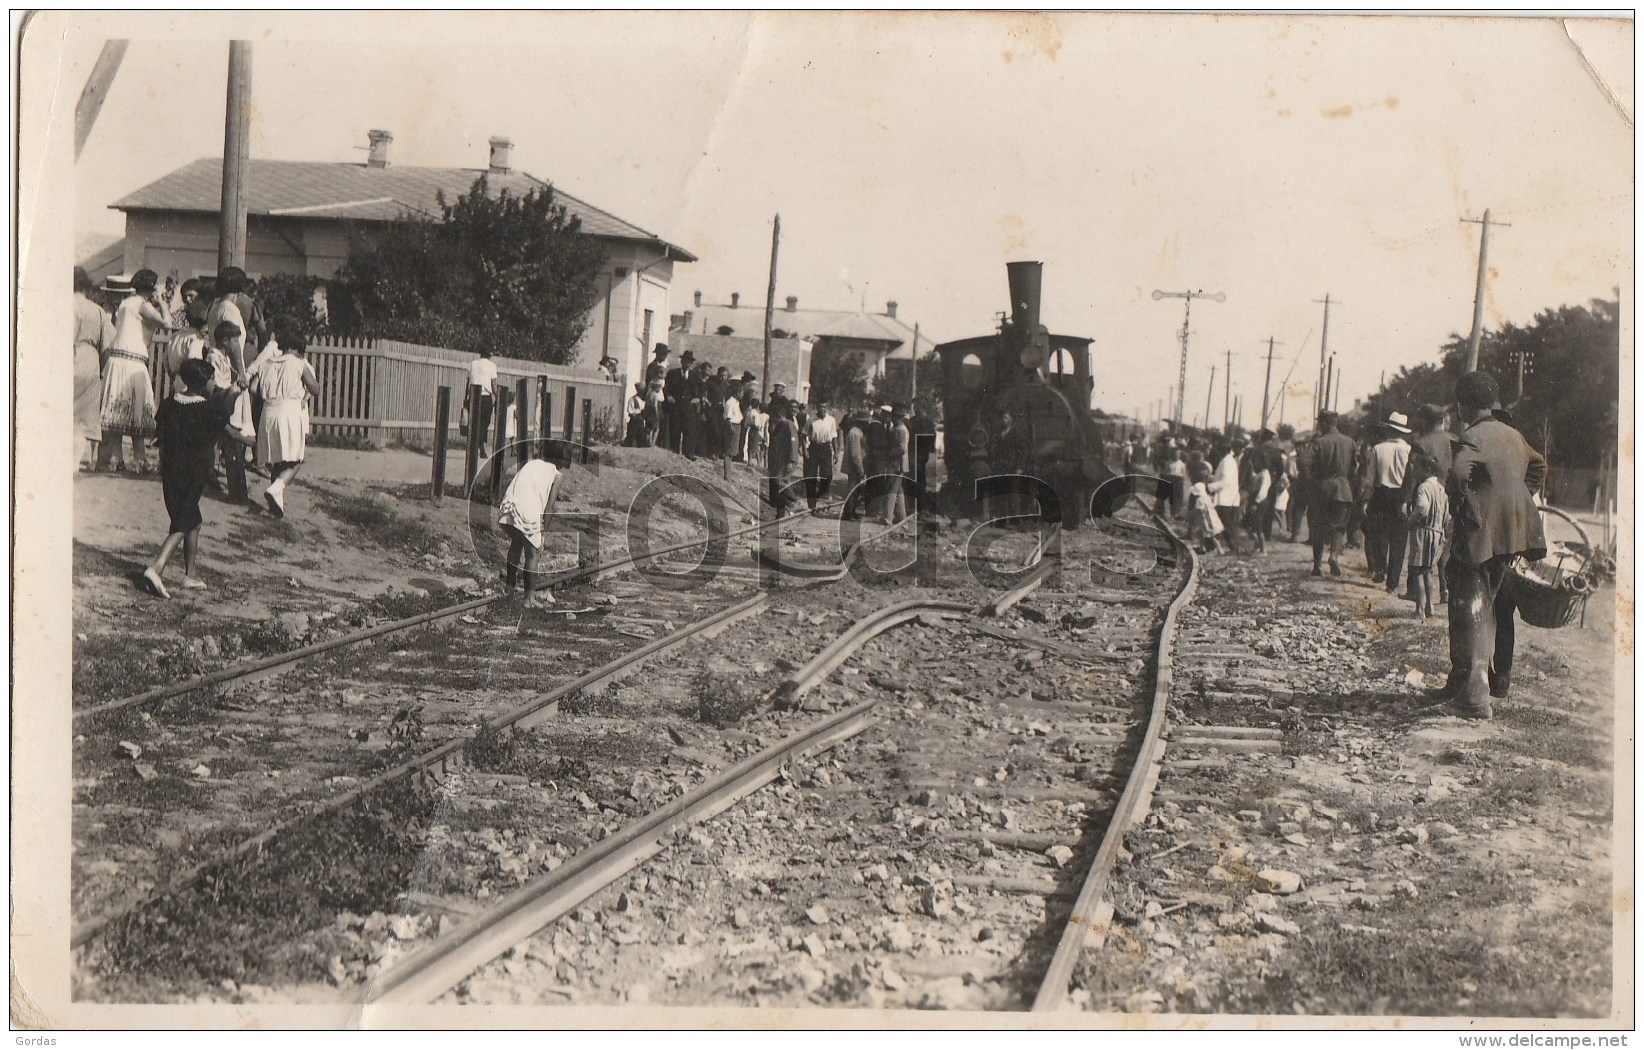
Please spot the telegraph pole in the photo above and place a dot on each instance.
(770, 303)
(1210, 392)
(1227, 395)
(1337, 401)
(1321, 392)
(1329, 370)
(1478, 293)
(913, 371)
(236, 153)
(1187, 313)
(1267, 384)
(96, 91)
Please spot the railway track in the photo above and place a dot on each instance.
(1006, 811)
(156, 935)
(350, 716)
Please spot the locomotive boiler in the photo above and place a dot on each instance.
(1018, 402)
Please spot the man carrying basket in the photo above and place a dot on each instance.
(1492, 481)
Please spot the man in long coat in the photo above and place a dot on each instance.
(1331, 491)
(1491, 486)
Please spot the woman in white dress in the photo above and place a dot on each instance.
(93, 335)
(285, 379)
(128, 397)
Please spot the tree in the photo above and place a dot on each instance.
(289, 299)
(893, 384)
(837, 377)
(1571, 360)
(512, 273)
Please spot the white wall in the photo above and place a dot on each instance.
(644, 285)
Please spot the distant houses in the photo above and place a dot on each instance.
(300, 213)
(735, 331)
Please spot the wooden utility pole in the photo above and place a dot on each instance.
(770, 305)
(1227, 395)
(95, 93)
(1478, 292)
(1336, 402)
(1187, 313)
(1208, 394)
(1267, 384)
(913, 370)
(1321, 392)
(1329, 369)
(236, 152)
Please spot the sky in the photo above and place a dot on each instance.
(1273, 159)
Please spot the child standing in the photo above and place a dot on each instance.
(227, 346)
(529, 498)
(1429, 509)
(188, 422)
(285, 380)
(1204, 525)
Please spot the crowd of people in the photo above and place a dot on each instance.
(235, 388)
(697, 411)
(1443, 513)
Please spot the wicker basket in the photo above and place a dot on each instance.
(1555, 604)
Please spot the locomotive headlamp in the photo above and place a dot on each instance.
(1036, 351)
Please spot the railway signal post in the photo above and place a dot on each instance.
(1187, 314)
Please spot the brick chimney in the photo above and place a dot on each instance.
(502, 150)
(736, 297)
(890, 308)
(698, 299)
(793, 303)
(379, 148)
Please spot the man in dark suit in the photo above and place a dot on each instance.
(1493, 479)
(676, 399)
(1331, 491)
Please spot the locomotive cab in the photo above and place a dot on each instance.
(1018, 402)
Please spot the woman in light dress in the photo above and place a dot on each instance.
(285, 379)
(128, 397)
(93, 335)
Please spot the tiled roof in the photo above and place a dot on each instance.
(358, 192)
(790, 358)
(813, 324)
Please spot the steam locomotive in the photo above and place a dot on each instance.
(1018, 402)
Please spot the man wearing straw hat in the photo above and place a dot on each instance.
(1492, 482)
(1382, 485)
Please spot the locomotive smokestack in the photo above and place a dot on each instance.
(1025, 280)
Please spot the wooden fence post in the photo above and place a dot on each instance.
(442, 426)
(545, 409)
(476, 437)
(587, 426)
(570, 412)
(504, 395)
(522, 420)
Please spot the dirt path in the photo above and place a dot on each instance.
(1445, 868)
